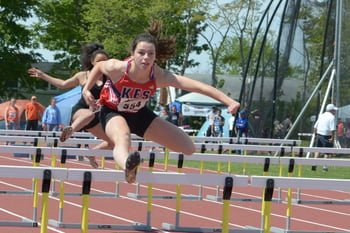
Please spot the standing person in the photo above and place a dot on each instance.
(242, 124)
(164, 113)
(341, 133)
(210, 119)
(286, 125)
(83, 118)
(217, 128)
(277, 129)
(324, 130)
(51, 120)
(131, 84)
(12, 116)
(257, 120)
(231, 127)
(174, 116)
(33, 113)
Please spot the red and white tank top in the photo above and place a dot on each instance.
(12, 114)
(125, 95)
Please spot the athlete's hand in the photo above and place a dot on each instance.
(89, 98)
(36, 73)
(233, 107)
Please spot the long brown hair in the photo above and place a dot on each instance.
(165, 47)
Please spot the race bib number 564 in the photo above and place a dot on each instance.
(131, 105)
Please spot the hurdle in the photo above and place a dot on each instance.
(87, 176)
(266, 148)
(180, 159)
(149, 178)
(32, 173)
(36, 156)
(38, 133)
(297, 183)
(227, 190)
(24, 140)
(246, 140)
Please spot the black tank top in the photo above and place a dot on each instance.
(95, 91)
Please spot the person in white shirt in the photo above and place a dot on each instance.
(324, 129)
(210, 119)
(231, 127)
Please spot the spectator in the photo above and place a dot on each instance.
(286, 125)
(277, 130)
(12, 116)
(210, 120)
(174, 116)
(231, 127)
(218, 125)
(257, 120)
(242, 124)
(324, 129)
(33, 113)
(177, 104)
(51, 120)
(341, 133)
(164, 113)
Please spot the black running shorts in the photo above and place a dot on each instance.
(138, 122)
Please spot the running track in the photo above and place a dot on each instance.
(206, 213)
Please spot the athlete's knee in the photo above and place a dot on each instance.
(189, 149)
(109, 145)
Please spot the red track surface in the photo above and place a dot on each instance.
(126, 211)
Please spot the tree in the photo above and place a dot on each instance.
(14, 38)
(219, 23)
(61, 28)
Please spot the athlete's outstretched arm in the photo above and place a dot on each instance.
(62, 84)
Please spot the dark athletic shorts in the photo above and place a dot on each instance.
(138, 122)
(323, 141)
(92, 123)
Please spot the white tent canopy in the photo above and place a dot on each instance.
(196, 98)
(195, 104)
(344, 112)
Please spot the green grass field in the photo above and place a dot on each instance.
(274, 169)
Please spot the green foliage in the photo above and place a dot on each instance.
(61, 28)
(14, 37)
(66, 25)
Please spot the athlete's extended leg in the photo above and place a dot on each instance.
(119, 133)
(98, 132)
(169, 136)
(80, 118)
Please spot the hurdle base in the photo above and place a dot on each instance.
(189, 197)
(31, 157)
(20, 155)
(344, 202)
(135, 226)
(172, 227)
(280, 230)
(26, 192)
(92, 194)
(24, 223)
(216, 198)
